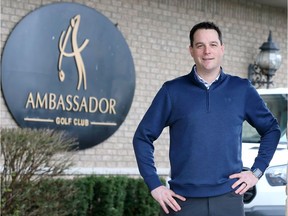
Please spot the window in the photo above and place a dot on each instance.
(277, 103)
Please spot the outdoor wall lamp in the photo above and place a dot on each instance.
(267, 63)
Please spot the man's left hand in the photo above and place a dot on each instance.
(246, 180)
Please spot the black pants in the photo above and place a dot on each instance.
(229, 204)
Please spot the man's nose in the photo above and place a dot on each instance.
(207, 50)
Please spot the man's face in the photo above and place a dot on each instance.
(207, 51)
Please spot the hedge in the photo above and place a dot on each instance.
(113, 195)
(88, 196)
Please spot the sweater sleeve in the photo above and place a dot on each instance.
(148, 131)
(260, 117)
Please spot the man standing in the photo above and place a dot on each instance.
(204, 111)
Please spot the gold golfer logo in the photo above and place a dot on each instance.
(76, 52)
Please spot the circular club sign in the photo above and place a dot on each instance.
(66, 66)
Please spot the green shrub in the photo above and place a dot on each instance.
(109, 196)
(51, 197)
(30, 157)
(34, 161)
(113, 196)
(82, 201)
(139, 201)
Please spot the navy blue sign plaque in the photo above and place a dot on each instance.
(66, 66)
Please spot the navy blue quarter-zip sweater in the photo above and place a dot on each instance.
(205, 129)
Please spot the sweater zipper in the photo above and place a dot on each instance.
(208, 100)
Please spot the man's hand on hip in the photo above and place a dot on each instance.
(246, 180)
(165, 197)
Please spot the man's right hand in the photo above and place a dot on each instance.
(165, 197)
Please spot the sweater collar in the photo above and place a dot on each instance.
(201, 83)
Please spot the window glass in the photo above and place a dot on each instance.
(277, 103)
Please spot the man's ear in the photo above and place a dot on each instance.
(191, 50)
(223, 47)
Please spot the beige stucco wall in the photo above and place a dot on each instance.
(157, 33)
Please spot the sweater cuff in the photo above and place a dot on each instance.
(152, 182)
(260, 165)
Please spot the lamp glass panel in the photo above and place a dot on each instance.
(269, 60)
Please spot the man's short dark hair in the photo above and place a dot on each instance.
(204, 25)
